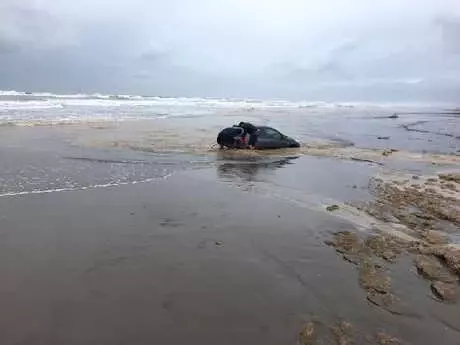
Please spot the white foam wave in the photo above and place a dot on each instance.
(96, 186)
(107, 103)
(123, 99)
(13, 105)
(11, 93)
(100, 96)
(64, 96)
(35, 109)
(198, 101)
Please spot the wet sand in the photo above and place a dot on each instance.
(141, 232)
(188, 259)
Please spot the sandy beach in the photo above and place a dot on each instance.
(142, 232)
(279, 172)
(159, 263)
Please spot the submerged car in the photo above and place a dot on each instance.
(270, 138)
(267, 138)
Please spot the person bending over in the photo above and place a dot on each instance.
(250, 129)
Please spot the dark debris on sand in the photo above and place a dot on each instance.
(307, 335)
(372, 278)
(436, 263)
(427, 212)
(420, 207)
(449, 256)
(332, 208)
(389, 302)
(383, 246)
(371, 275)
(445, 291)
(432, 269)
(388, 152)
(425, 209)
(341, 333)
(386, 339)
(454, 177)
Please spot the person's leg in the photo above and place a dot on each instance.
(252, 141)
(242, 141)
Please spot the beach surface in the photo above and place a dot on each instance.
(129, 227)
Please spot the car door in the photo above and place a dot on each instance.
(270, 138)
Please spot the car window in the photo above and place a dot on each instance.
(270, 133)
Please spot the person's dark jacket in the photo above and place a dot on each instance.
(248, 128)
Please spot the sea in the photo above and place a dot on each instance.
(57, 142)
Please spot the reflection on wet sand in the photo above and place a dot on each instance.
(248, 169)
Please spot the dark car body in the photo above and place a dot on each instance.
(270, 138)
(267, 138)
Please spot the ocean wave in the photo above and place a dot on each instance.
(11, 93)
(38, 122)
(96, 186)
(63, 96)
(171, 101)
(45, 108)
(99, 96)
(64, 120)
(14, 105)
(209, 101)
(6, 105)
(107, 100)
(107, 161)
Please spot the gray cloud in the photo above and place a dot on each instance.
(450, 33)
(274, 48)
(8, 47)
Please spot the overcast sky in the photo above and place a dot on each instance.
(301, 49)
